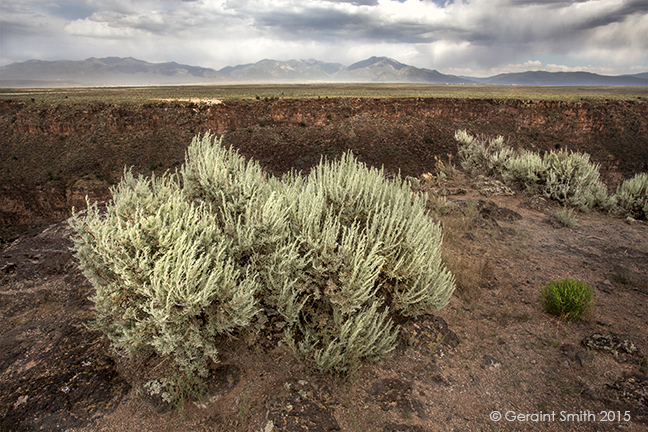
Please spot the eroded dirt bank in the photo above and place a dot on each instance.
(52, 156)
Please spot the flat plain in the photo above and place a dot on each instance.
(324, 90)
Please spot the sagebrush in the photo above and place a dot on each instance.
(361, 247)
(163, 272)
(478, 154)
(567, 177)
(631, 197)
(180, 259)
(572, 180)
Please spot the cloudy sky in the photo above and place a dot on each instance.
(465, 37)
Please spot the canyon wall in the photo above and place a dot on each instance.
(54, 155)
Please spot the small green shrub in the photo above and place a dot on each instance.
(569, 299)
(631, 197)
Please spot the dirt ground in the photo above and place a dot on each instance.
(492, 351)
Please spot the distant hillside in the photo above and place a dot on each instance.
(314, 68)
(274, 70)
(643, 75)
(114, 71)
(374, 69)
(388, 70)
(104, 72)
(564, 78)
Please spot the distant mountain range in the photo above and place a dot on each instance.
(114, 71)
(543, 78)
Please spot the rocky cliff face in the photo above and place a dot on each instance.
(52, 156)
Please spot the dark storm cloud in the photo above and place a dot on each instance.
(635, 7)
(316, 23)
(69, 11)
(554, 3)
(316, 20)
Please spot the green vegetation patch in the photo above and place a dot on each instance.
(568, 298)
(566, 217)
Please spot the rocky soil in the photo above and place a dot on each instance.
(492, 350)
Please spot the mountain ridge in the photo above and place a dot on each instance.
(111, 71)
(562, 78)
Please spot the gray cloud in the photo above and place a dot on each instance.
(315, 21)
(491, 24)
(620, 14)
(356, 2)
(469, 34)
(319, 23)
(553, 3)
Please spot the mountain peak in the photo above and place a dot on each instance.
(374, 60)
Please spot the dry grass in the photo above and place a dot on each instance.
(458, 221)
(471, 273)
(328, 90)
(472, 270)
(566, 217)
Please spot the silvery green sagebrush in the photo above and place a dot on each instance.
(180, 259)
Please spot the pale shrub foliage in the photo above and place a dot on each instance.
(527, 170)
(221, 177)
(239, 193)
(362, 246)
(162, 273)
(632, 197)
(478, 154)
(336, 253)
(566, 217)
(573, 181)
(567, 177)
